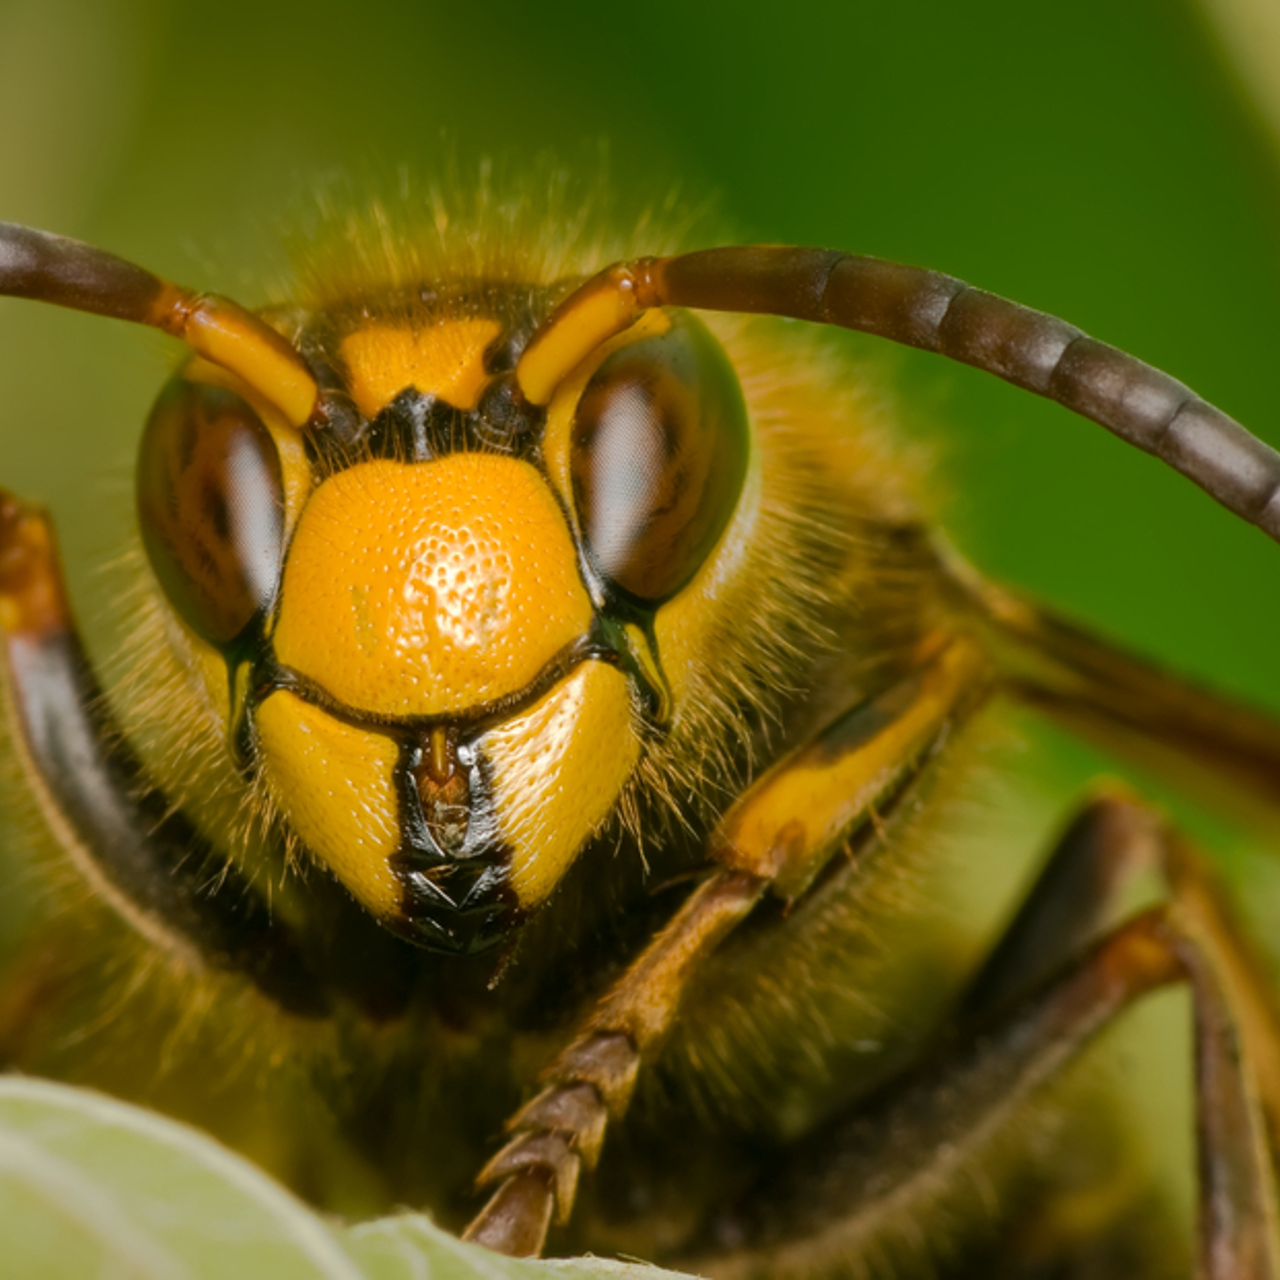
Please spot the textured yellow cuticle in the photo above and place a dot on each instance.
(431, 588)
(444, 360)
(557, 771)
(335, 784)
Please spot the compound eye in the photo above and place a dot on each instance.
(657, 457)
(211, 507)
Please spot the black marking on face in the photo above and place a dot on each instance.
(270, 675)
(452, 863)
(417, 426)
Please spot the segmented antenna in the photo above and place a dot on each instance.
(934, 312)
(49, 268)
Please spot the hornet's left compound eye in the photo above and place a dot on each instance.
(211, 508)
(658, 456)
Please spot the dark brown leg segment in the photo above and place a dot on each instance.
(117, 829)
(1238, 1226)
(1237, 1078)
(1193, 736)
(871, 1186)
(873, 1182)
(1073, 900)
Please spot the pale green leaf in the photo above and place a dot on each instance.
(90, 1186)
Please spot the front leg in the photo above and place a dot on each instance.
(93, 793)
(872, 1183)
(775, 839)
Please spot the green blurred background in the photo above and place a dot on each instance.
(1094, 159)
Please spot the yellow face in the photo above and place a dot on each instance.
(440, 647)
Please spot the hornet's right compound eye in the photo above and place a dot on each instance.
(211, 508)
